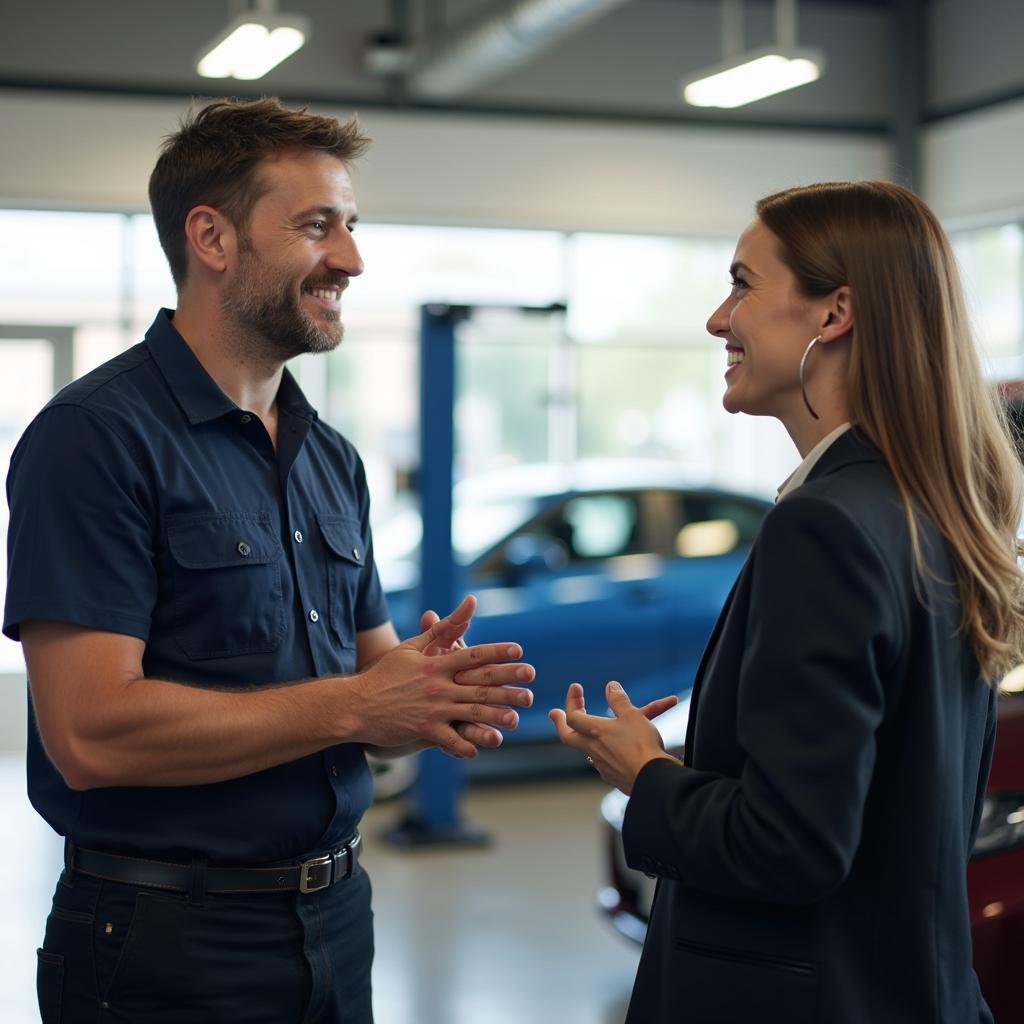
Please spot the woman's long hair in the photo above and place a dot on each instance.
(916, 387)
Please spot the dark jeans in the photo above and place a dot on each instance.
(129, 955)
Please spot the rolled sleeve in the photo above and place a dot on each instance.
(80, 541)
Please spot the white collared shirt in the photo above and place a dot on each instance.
(800, 474)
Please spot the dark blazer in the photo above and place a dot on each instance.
(812, 851)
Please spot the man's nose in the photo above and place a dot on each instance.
(345, 255)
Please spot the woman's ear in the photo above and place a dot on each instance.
(210, 237)
(837, 320)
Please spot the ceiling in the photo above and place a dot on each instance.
(625, 63)
(889, 62)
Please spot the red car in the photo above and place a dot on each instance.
(995, 875)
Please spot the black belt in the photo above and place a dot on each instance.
(310, 876)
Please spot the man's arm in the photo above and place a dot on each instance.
(104, 724)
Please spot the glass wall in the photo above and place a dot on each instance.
(26, 383)
(992, 266)
(628, 372)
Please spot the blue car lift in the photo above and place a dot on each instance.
(432, 815)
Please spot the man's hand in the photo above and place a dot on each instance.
(478, 735)
(618, 747)
(450, 630)
(418, 690)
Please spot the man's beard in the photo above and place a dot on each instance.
(275, 326)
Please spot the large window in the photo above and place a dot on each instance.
(29, 362)
(992, 266)
(628, 372)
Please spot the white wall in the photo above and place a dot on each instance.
(973, 164)
(13, 712)
(88, 151)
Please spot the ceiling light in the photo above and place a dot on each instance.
(752, 77)
(742, 78)
(253, 43)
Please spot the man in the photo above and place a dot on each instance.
(207, 643)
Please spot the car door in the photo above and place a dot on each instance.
(706, 540)
(578, 586)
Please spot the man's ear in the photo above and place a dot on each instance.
(210, 237)
(837, 318)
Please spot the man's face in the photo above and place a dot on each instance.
(295, 257)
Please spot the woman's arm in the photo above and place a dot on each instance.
(825, 621)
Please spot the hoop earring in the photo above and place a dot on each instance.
(803, 389)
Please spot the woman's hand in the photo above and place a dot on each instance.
(618, 747)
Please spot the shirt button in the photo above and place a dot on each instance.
(298, 536)
(246, 417)
(243, 549)
(334, 770)
(314, 615)
(355, 554)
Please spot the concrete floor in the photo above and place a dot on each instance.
(507, 934)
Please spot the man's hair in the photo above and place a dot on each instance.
(916, 387)
(212, 160)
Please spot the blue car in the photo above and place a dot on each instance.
(613, 572)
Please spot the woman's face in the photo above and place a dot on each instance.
(766, 325)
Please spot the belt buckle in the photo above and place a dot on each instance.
(312, 865)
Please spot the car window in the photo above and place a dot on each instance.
(580, 528)
(715, 524)
(476, 526)
(656, 521)
(600, 525)
(746, 515)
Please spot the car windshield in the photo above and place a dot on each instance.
(476, 526)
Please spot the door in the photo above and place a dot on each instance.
(35, 362)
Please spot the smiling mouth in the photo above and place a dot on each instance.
(331, 293)
(734, 356)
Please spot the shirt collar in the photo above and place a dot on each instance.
(198, 394)
(800, 474)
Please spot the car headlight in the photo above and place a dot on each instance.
(613, 808)
(1002, 824)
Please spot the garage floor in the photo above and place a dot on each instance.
(507, 935)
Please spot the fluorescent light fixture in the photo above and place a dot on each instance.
(752, 76)
(252, 44)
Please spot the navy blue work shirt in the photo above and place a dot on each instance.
(145, 502)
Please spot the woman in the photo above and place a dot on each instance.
(812, 845)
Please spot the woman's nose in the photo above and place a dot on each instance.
(718, 322)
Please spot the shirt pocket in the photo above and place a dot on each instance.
(346, 557)
(226, 579)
